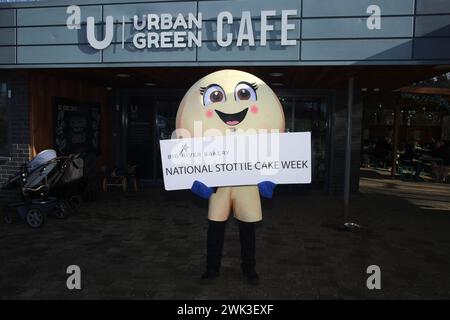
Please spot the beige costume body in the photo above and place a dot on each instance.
(264, 113)
(243, 201)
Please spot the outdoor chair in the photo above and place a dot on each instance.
(118, 177)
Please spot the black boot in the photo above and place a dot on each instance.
(214, 247)
(247, 238)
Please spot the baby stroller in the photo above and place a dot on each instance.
(46, 186)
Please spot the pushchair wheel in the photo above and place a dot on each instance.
(35, 218)
(75, 202)
(62, 209)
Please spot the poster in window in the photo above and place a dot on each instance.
(77, 126)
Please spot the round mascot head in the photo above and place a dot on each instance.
(228, 101)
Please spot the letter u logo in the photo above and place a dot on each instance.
(109, 32)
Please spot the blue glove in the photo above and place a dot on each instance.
(266, 189)
(202, 190)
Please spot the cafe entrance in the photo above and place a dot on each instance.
(143, 120)
(148, 116)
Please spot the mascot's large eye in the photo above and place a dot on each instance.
(245, 91)
(213, 94)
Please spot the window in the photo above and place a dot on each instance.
(4, 145)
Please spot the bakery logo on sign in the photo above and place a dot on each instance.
(185, 31)
(199, 151)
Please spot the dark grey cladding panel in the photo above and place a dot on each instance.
(433, 26)
(7, 36)
(53, 35)
(129, 11)
(53, 16)
(210, 28)
(273, 51)
(210, 9)
(433, 6)
(58, 54)
(115, 53)
(7, 18)
(391, 27)
(347, 8)
(333, 32)
(382, 49)
(7, 55)
(431, 49)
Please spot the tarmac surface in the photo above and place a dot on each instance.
(151, 245)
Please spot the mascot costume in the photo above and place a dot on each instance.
(231, 101)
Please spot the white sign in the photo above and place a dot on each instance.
(234, 160)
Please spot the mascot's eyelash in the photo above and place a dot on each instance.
(253, 85)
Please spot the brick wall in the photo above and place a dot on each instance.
(19, 129)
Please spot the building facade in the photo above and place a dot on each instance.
(108, 75)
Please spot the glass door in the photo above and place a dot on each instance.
(146, 119)
(310, 114)
(140, 137)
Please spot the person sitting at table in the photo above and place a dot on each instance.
(441, 170)
(411, 157)
(410, 151)
(408, 157)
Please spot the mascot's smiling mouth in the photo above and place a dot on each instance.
(232, 119)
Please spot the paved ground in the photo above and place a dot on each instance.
(150, 245)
